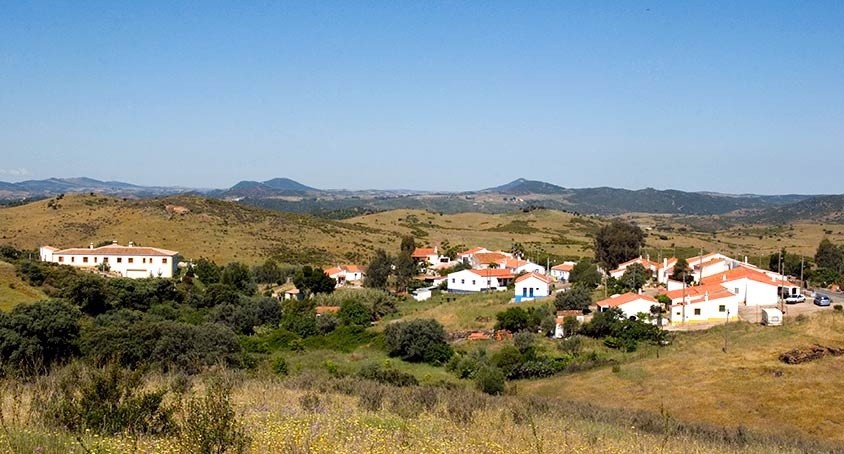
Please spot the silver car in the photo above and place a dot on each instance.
(822, 300)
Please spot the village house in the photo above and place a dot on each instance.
(562, 272)
(344, 274)
(532, 285)
(560, 319)
(649, 265)
(468, 281)
(483, 260)
(706, 303)
(631, 304)
(518, 266)
(467, 256)
(127, 261)
(752, 287)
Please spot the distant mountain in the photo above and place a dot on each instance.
(52, 186)
(522, 186)
(266, 189)
(826, 208)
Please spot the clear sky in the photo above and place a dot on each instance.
(722, 96)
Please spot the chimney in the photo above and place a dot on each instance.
(91, 246)
(114, 242)
(706, 296)
(131, 244)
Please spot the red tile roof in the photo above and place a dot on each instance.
(114, 249)
(628, 297)
(539, 276)
(472, 251)
(421, 253)
(697, 290)
(739, 273)
(327, 309)
(497, 273)
(563, 267)
(488, 258)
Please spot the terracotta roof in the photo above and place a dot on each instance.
(353, 269)
(563, 267)
(720, 294)
(327, 309)
(472, 251)
(628, 297)
(478, 336)
(490, 272)
(569, 313)
(333, 270)
(488, 258)
(293, 291)
(51, 248)
(420, 253)
(671, 262)
(539, 276)
(514, 263)
(694, 290)
(113, 249)
(739, 273)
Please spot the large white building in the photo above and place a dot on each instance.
(466, 281)
(704, 303)
(127, 261)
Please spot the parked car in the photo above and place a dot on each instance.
(794, 299)
(822, 300)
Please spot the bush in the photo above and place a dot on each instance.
(34, 337)
(577, 298)
(490, 380)
(354, 313)
(838, 307)
(280, 366)
(387, 375)
(418, 341)
(210, 424)
(105, 401)
(572, 345)
(513, 319)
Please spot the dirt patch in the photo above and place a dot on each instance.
(811, 353)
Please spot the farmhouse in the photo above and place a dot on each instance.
(467, 281)
(752, 287)
(345, 273)
(517, 266)
(649, 265)
(127, 261)
(631, 304)
(703, 304)
(532, 285)
(562, 271)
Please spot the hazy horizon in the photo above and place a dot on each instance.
(707, 97)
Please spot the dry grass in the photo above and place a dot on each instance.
(13, 290)
(694, 380)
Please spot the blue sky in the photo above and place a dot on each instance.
(717, 96)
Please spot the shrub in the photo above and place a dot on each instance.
(280, 366)
(354, 313)
(105, 401)
(513, 319)
(34, 337)
(371, 395)
(418, 341)
(838, 307)
(210, 424)
(387, 375)
(490, 380)
(572, 345)
(577, 298)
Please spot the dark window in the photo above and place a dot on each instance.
(61, 259)
(119, 259)
(164, 260)
(130, 260)
(697, 311)
(84, 259)
(722, 308)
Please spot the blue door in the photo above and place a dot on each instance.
(531, 292)
(524, 291)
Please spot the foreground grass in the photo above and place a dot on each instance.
(695, 380)
(309, 415)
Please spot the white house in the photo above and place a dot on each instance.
(630, 304)
(483, 260)
(345, 273)
(467, 255)
(422, 294)
(752, 287)
(466, 281)
(562, 271)
(649, 265)
(703, 304)
(532, 285)
(517, 266)
(559, 322)
(127, 261)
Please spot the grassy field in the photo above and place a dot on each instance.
(695, 380)
(13, 290)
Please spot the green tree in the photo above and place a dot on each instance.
(313, 281)
(635, 276)
(354, 312)
(268, 273)
(418, 341)
(237, 276)
(585, 273)
(513, 319)
(618, 242)
(207, 271)
(379, 270)
(682, 272)
(88, 292)
(788, 264)
(576, 298)
(830, 256)
(34, 337)
(489, 380)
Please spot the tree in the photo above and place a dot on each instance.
(33, 337)
(237, 276)
(418, 341)
(830, 256)
(408, 244)
(490, 380)
(618, 242)
(207, 271)
(268, 273)
(313, 281)
(405, 269)
(517, 250)
(681, 271)
(585, 273)
(354, 312)
(88, 292)
(577, 298)
(379, 270)
(785, 263)
(513, 319)
(635, 276)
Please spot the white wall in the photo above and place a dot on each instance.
(467, 281)
(540, 288)
(632, 308)
(140, 266)
(560, 275)
(753, 293)
(709, 310)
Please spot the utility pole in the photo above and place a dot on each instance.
(726, 323)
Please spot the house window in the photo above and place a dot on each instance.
(61, 259)
(488, 282)
(697, 311)
(105, 259)
(130, 260)
(72, 259)
(736, 292)
(119, 259)
(453, 280)
(722, 308)
(164, 260)
(473, 282)
(96, 259)
(462, 281)
(144, 260)
(677, 313)
(84, 259)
